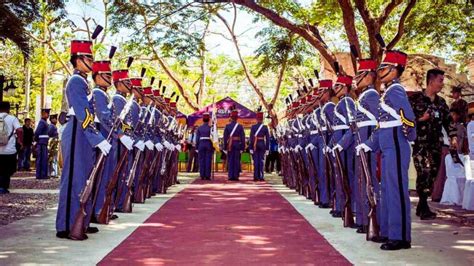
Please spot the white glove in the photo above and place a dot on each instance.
(159, 147)
(251, 151)
(298, 148)
(127, 142)
(149, 145)
(266, 153)
(178, 147)
(225, 151)
(104, 147)
(140, 145)
(337, 147)
(363, 147)
(309, 147)
(326, 149)
(167, 145)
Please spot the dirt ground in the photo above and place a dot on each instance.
(31, 200)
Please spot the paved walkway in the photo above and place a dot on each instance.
(32, 240)
(223, 222)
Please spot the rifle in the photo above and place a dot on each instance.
(347, 215)
(328, 169)
(374, 228)
(77, 229)
(305, 173)
(127, 203)
(105, 212)
(140, 195)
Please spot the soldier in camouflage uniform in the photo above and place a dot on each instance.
(432, 114)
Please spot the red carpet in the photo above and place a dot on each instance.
(225, 223)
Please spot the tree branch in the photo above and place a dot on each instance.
(349, 25)
(401, 24)
(167, 70)
(301, 30)
(388, 9)
(249, 76)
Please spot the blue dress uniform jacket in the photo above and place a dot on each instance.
(104, 122)
(259, 144)
(42, 137)
(205, 150)
(314, 139)
(79, 139)
(324, 182)
(393, 140)
(327, 115)
(347, 155)
(365, 116)
(237, 141)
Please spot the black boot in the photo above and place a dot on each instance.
(425, 212)
(396, 245)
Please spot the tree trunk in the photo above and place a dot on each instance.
(309, 33)
(27, 87)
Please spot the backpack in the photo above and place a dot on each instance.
(4, 136)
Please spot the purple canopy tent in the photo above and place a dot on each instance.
(246, 117)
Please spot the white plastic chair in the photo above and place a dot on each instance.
(455, 182)
(468, 197)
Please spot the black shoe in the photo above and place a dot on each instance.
(362, 229)
(379, 239)
(396, 245)
(4, 191)
(355, 226)
(92, 230)
(62, 234)
(255, 179)
(337, 214)
(324, 206)
(113, 217)
(261, 180)
(428, 215)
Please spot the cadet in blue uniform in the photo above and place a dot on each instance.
(325, 92)
(123, 86)
(259, 146)
(204, 148)
(79, 140)
(342, 88)
(102, 76)
(41, 138)
(396, 128)
(234, 144)
(365, 115)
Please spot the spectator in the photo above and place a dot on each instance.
(25, 139)
(458, 103)
(8, 127)
(273, 157)
(193, 164)
(432, 115)
(458, 124)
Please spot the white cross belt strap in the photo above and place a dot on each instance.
(71, 112)
(390, 110)
(366, 112)
(233, 130)
(366, 123)
(258, 130)
(340, 127)
(341, 117)
(390, 124)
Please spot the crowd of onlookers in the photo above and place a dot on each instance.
(18, 145)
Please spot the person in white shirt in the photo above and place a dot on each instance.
(8, 127)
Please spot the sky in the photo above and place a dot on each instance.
(217, 44)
